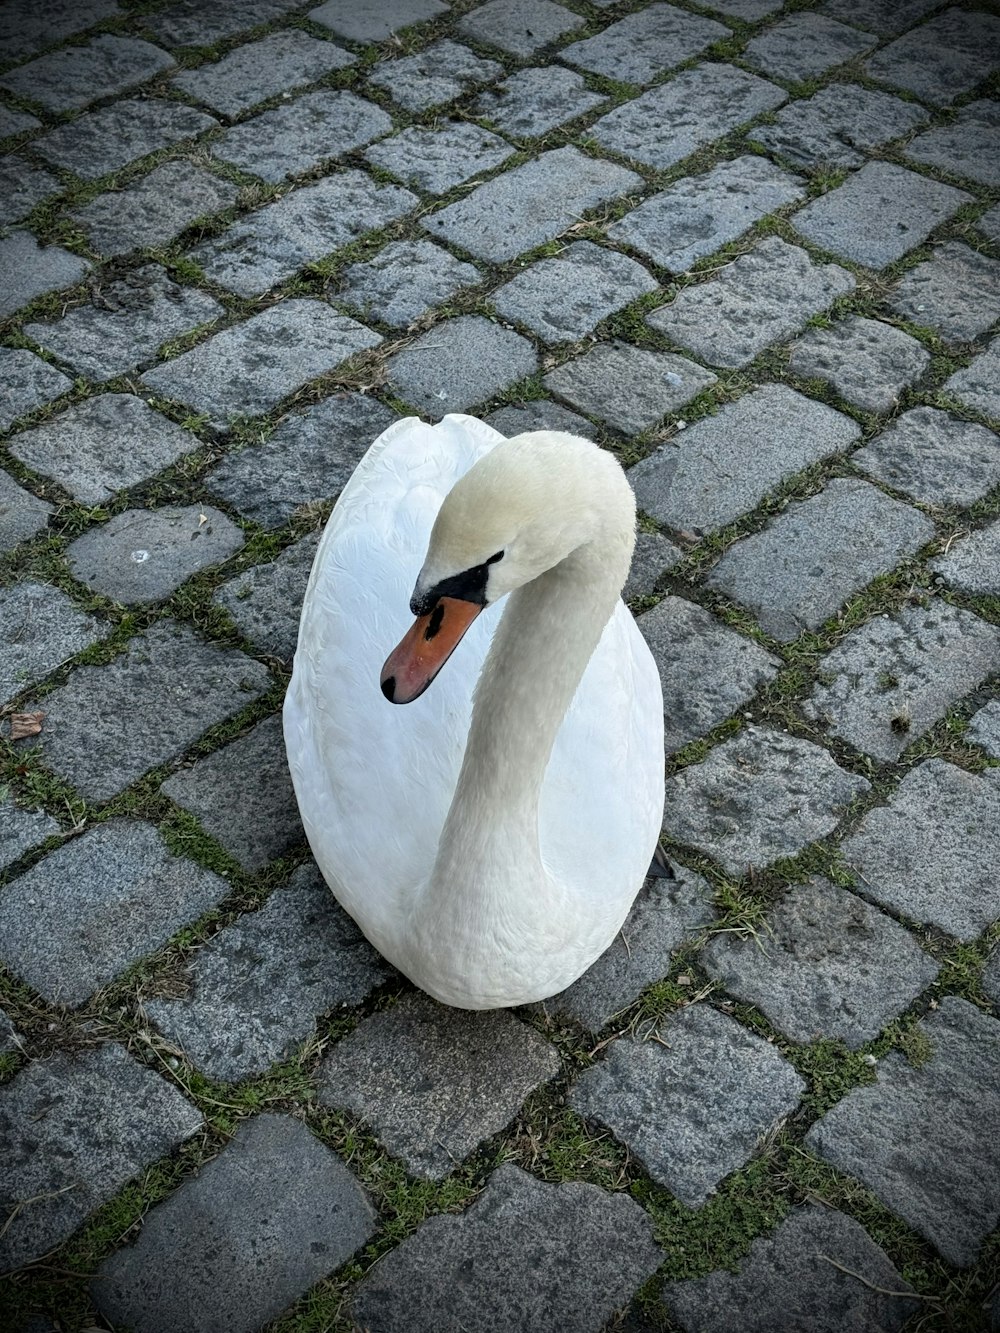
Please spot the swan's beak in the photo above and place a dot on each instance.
(424, 649)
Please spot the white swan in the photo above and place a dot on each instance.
(490, 852)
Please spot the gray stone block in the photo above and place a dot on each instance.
(143, 555)
(125, 323)
(666, 914)
(973, 563)
(403, 282)
(890, 680)
(265, 601)
(931, 854)
(281, 63)
(762, 298)
(521, 27)
(803, 46)
(700, 105)
(989, 223)
(316, 127)
(984, 730)
(87, 911)
(757, 798)
(247, 369)
(42, 628)
(533, 101)
(154, 210)
(22, 829)
(308, 459)
(525, 1256)
(747, 10)
(530, 204)
(267, 246)
(21, 513)
(374, 20)
(22, 186)
(439, 157)
(970, 146)
(868, 363)
(433, 1082)
(652, 557)
(539, 414)
(692, 1104)
(192, 23)
(24, 27)
(641, 46)
(74, 77)
(827, 966)
(838, 125)
(882, 16)
(169, 685)
(804, 565)
(688, 644)
(724, 465)
(28, 269)
(255, 989)
(271, 1216)
(105, 140)
(936, 458)
(28, 382)
(878, 214)
(978, 386)
(76, 1129)
(16, 122)
(81, 448)
(9, 1038)
(818, 1270)
(697, 215)
(628, 387)
(943, 58)
(459, 363)
(439, 73)
(956, 292)
(565, 298)
(926, 1140)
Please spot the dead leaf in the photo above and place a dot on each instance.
(25, 724)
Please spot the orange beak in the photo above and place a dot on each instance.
(424, 649)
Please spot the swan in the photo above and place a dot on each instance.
(490, 837)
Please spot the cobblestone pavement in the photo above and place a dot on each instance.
(753, 249)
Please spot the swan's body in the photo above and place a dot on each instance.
(490, 858)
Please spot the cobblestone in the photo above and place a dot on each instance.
(438, 74)
(934, 457)
(462, 362)
(28, 269)
(628, 387)
(9, 1039)
(943, 58)
(984, 730)
(42, 629)
(29, 382)
(22, 186)
(838, 125)
(266, 600)
(74, 77)
(882, 16)
(868, 363)
(520, 27)
(539, 414)
(652, 557)
(956, 292)
(20, 830)
(403, 282)
(108, 139)
(642, 46)
(803, 46)
(22, 514)
(438, 158)
(16, 122)
(25, 28)
(969, 147)
(973, 563)
(190, 23)
(374, 20)
(747, 10)
(280, 63)
(989, 223)
(533, 101)
(978, 386)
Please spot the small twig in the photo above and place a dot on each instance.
(35, 1198)
(883, 1291)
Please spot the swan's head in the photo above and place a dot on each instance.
(520, 511)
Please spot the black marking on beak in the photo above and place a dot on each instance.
(437, 615)
(469, 586)
(389, 688)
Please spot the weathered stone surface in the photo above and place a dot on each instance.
(524, 1256)
(628, 387)
(458, 364)
(978, 386)
(274, 1213)
(247, 369)
(316, 127)
(878, 214)
(265, 601)
(838, 125)
(22, 186)
(670, 122)
(534, 101)
(439, 73)
(565, 298)
(539, 414)
(437, 158)
(926, 1140)
(269, 245)
(984, 730)
(17, 122)
(75, 76)
(973, 563)
(403, 282)
(803, 46)
(652, 557)
(41, 629)
(170, 686)
(665, 915)
(21, 829)
(640, 46)
(99, 903)
(81, 448)
(762, 298)
(76, 1129)
(21, 513)
(28, 269)
(308, 458)
(970, 146)
(258, 985)
(724, 465)
(374, 20)
(801, 568)
(24, 27)
(757, 798)
(818, 1270)
(124, 323)
(9, 1039)
(284, 61)
(693, 1104)
(154, 210)
(931, 854)
(192, 23)
(531, 204)
(519, 26)
(934, 457)
(882, 16)
(28, 382)
(869, 363)
(697, 215)
(688, 643)
(956, 292)
(941, 59)
(102, 141)
(989, 223)
(828, 965)
(747, 10)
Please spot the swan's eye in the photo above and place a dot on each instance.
(494, 558)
